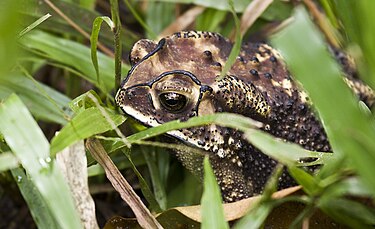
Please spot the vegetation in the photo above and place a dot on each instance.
(61, 66)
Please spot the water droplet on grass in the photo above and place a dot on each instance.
(46, 164)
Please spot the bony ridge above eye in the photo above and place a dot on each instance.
(172, 101)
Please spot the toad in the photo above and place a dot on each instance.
(178, 78)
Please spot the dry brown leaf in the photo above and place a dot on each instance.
(189, 217)
(78, 28)
(236, 210)
(252, 12)
(144, 216)
(323, 23)
(73, 164)
(183, 21)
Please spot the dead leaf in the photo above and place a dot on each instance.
(183, 21)
(144, 216)
(73, 164)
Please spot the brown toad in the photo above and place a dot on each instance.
(176, 78)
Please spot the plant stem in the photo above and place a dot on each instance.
(117, 41)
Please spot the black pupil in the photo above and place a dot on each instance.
(173, 101)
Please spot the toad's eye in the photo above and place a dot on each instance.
(172, 101)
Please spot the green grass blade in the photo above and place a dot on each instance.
(210, 20)
(81, 16)
(309, 183)
(352, 213)
(9, 29)
(239, 6)
(285, 152)
(155, 21)
(149, 196)
(358, 20)
(139, 19)
(27, 142)
(85, 124)
(259, 211)
(149, 153)
(37, 205)
(120, 161)
(327, 6)
(236, 46)
(74, 55)
(84, 101)
(8, 161)
(115, 15)
(52, 108)
(256, 218)
(349, 129)
(211, 203)
(34, 24)
(96, 25)
(223, 119)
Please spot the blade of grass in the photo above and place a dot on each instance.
(35, 201)
(324, 24)
(8, 161)
(109, 120)
(327, 6)
(117, 41)
(153, 19)
(74, 55)
(223, 119)
(144, 217)
(285, 152)
(262, 208)
(358, 20)
(145, 188)
(81, 127)
(163, 166)
(139, 19)
(52, 108)
(9, 30)
(34, 24)
(96, 25)
(83, 102)
(237, 43)
(354, 186)
(159, 189)
(82, 16)
(352, 213)
(211, 203)
(350, 131)
(88, 4)
(309, 183)
(238, 6)
(45, 93)
(120, 161)
(27, 142)
(77, 27)
(154, 204)
(210, 19)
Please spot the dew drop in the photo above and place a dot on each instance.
(45, 164)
